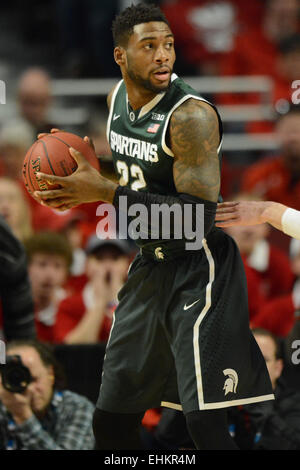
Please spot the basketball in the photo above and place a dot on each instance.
(50, 154)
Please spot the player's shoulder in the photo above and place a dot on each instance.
(194, 113)
(111, 93)
(189, 103)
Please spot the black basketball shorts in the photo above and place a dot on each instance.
(180, 336)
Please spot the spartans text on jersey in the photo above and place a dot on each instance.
(134, 148)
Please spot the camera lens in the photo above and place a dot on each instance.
(17, 379)
(15, 376)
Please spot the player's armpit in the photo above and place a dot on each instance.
(194, 139)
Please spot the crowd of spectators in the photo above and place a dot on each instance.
(75, 276)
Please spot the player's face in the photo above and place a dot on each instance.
(150, 56)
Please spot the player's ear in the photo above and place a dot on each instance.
(120, 55)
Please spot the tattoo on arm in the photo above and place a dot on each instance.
(194, 139)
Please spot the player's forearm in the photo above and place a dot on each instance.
(149, 200)
(272, 213)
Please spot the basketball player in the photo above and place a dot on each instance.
(280, 216)
(181, 335)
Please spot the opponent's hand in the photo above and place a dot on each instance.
(240, 213)
(84, 185)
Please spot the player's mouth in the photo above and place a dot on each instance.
(162, 74)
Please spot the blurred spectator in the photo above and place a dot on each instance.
(16, 309)
(34, 99)
(288, 70)
(271, 265)
(275, 424)
(49, 259)
(280, 313)
(14, 208)
(278, 178)
(87, 316)
(71, 228)
(43, 417)
(15, 139)
(256, 49)
(205, 30)
(268, 48)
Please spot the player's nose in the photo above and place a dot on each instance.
(161, 55)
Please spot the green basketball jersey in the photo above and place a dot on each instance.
(138, 139)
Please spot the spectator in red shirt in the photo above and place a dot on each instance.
(256, 49)
(87, 316)
(280, 313)
(270, 48)
(278, 178)
(267, 267)
(205, 29)
(49, 259)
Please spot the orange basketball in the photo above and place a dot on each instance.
(51, 155)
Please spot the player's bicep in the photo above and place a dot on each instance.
(194, 139)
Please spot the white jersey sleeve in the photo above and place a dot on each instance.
(291, 223)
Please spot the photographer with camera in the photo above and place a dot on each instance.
(35, 413)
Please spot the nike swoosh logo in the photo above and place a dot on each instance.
(186, 307)
(116, 116)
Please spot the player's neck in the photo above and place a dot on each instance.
(138, 96)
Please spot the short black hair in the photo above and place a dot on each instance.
(123, 25)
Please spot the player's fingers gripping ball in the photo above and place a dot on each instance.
(50, 155)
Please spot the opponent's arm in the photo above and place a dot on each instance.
(258, 212)
(194, 138)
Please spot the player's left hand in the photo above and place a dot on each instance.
(239, 213)
(84, 185)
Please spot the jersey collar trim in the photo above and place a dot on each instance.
(145, 109)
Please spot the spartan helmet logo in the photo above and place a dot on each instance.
(231, 382)
(158, 253)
